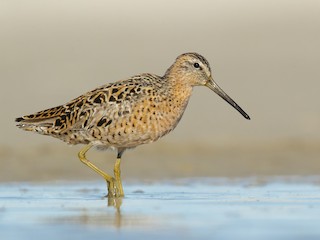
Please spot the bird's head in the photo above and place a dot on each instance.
(194, 70)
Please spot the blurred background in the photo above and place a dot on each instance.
(264, 54)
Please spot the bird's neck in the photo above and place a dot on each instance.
(179, 89)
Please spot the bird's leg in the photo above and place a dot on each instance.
(117, 175)
(113, 189)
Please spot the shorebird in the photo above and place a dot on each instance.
(126, 113)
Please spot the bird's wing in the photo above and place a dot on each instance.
(108, 102)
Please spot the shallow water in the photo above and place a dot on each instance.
(180, 209)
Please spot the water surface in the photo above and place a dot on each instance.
(179, 209)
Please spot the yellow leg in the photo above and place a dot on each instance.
(82, 157)
(113, 189)
(117, 175)
(114, 183)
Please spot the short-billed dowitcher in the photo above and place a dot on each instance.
(126, 113)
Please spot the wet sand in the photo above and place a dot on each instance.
(200, 208)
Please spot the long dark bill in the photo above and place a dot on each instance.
(214, 87)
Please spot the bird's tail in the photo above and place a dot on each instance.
(42, 122)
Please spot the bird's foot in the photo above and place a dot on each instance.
(115, 189)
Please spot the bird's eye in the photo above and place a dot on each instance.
(196, 65)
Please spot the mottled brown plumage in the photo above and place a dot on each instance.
(126, 113)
